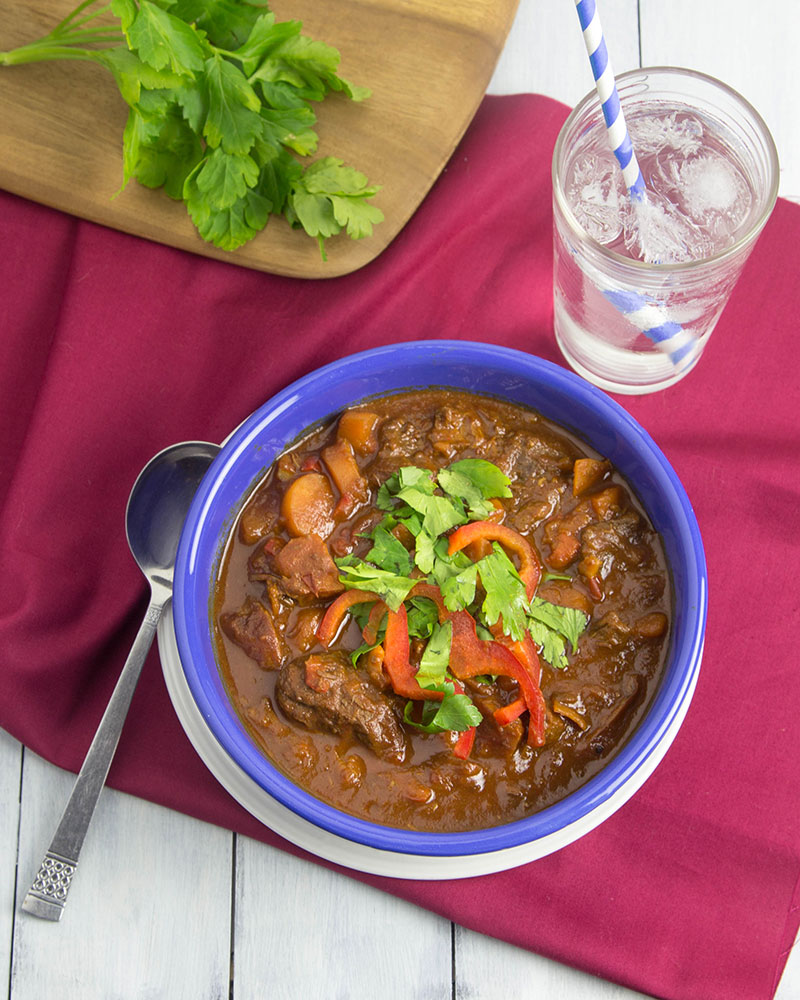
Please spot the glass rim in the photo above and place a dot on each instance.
(618, 259)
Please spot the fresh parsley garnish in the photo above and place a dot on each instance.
(455, 712)
(429, 505)
(433, 665)
(388, 552)
(551, 626)
(218, 96)
(386, 583)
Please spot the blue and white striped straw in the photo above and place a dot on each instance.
(642, 311)
(648, 316)
(609, 98)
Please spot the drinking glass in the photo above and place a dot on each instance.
(632, 325)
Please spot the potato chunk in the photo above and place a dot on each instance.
(359, 427)
(307, 506)
(341, 464)
(586, 473)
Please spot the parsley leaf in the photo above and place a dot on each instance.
(290, 127)
(436, 656)
(160, 151)
(439, 514)
(330, 197)
(232, 120)
(358, 574)
(423, 615)
(455, 712)
(162, 40)
(389, 553)
(132, 74)
(491, 481)
(461, 486)
(228, 23)
(362, 650)
(307, 65)
(505, 593)
(228, 227)
(224, 178)
(550, 643)
(458, 589)
(424, 551)
(569, 622)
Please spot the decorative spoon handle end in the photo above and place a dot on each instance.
(48, 892)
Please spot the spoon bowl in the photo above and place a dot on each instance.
(157, 508)
(158, 504)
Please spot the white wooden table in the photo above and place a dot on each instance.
(167, 907)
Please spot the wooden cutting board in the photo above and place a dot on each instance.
(427, 62)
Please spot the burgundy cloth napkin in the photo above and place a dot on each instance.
(113, 347)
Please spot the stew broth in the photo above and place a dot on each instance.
(340, 731)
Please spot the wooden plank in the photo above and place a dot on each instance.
(302, 930)
(748, 46)
(545, 53)
(789, 986)
(427, 63)
(489, 968)
(148, 913)
(10, 774)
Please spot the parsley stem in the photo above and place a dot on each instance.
(74, 14)
(38, 52)
(69, 38)
(101, 35)
(63, 44)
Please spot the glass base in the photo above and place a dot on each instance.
(615, 369)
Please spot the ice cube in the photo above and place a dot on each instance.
(594, 194)
(657, 233)
(715, 195)
(679, 132)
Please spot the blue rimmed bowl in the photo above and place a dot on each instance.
(217, 731)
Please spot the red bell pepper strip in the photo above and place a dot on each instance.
(508, 713)
(471, 656)
(525, 652)
(466, 739)
(370, 631)
(530, 569)
(396, 661)
(432, 592)
(463, 745)
(333, 617)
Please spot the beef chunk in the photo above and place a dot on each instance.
(616, 721)
(253, 628)
(647, 591)
(619, 542)
(454, 430)
(307, 568)
(527, 456)
(261, 563)
(323, 692)
(259, 517)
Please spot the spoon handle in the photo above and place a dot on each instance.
(47, 895)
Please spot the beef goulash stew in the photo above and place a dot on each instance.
(440, 612)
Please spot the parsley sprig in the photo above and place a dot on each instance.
(455, 712)
(219, 96)
(429, 505)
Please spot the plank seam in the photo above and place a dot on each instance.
(16, 875)
(234, 851)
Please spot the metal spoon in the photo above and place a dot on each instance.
(157, 508)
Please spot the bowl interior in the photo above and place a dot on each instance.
(482, 368)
